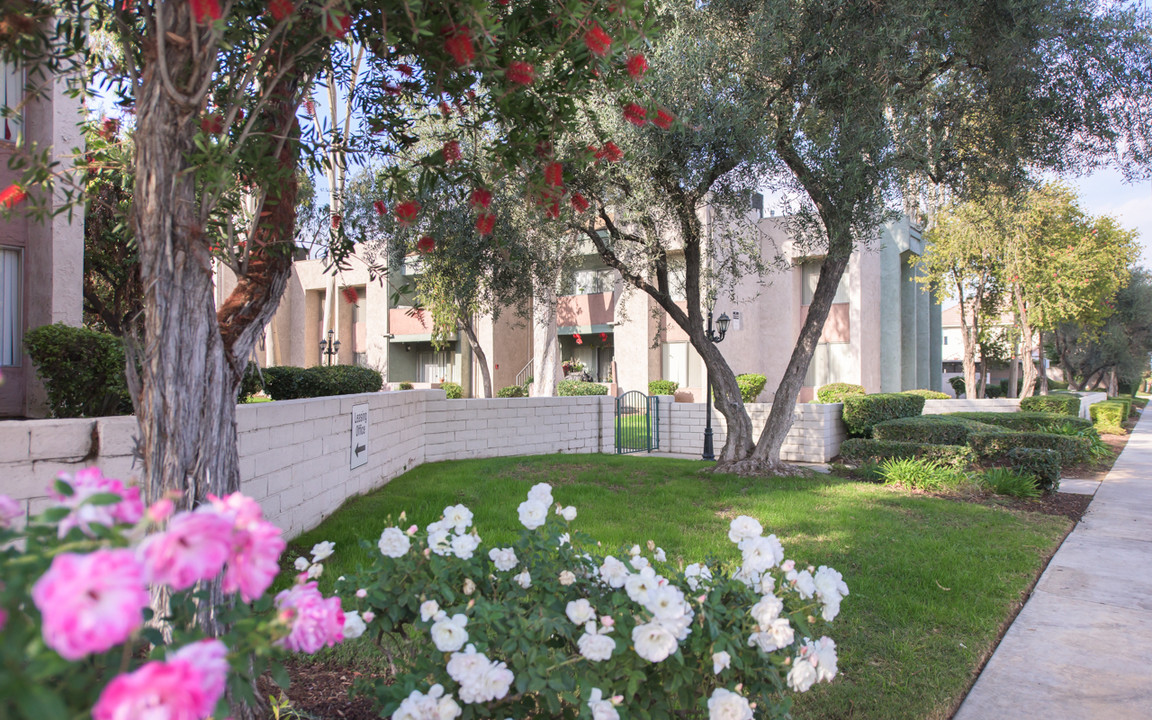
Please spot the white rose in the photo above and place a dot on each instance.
(637, 586)
(653, 642)
(830, 585)
(596, 647)
(322, 550)
(666, 602)
(524, 579)
(580, 611)
(660, 555)
(449, 634)
(696, 575)
(830, 610)
(767, 584)
(496, 681)
(466, 667)
(767, 610)
(532, 513)
(503, 558)
(727, 705)
(464, 545)
(457, 516)
(315, 571)
(469, 586)
(613, 572)
(824, 650)
(440, 541)
(302, 563)
(541, 493)
(803, 583)
(639, 562)
(567, 577)
(777, 635)
(428, 610)
(680, 626)
(761, 553)
(564, 539)
(601, 709)
(354, 627)
(568, 513)
(394, 543)
(721, 661)
(801, 676)
(447, 709)
(743, 528)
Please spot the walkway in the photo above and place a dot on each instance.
(1081, 648)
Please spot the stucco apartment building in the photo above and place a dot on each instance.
(883, 331)
(41, 263)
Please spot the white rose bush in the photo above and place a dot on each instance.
(552, 625)
(78, 636)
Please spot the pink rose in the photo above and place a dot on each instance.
(194, 547)
(10, 510)
(210, 658)
(316, 622)
(90, 603)
(172, 690)
(88, 482)
(254, 560)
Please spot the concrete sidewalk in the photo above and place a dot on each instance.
(1081, 648)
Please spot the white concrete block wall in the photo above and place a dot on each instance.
(815, 435)
(1000, 405)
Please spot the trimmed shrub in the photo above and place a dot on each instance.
(1044, 465)
(751, 385)
(663, 387)
(994, 391)
(996, 447)
(285, 382)
(1024, 421)
(511, 391)
(405, 386)
(1052, 404)
(836, 392)
(250, 383)
(861, 451)
(931, 429)
(570, 388)
(452, 390)
(957, 384)
(861, 412)
(1108, 417)
(82, 370)
(1006, 481)
(928, 394)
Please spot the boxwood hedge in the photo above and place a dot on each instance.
(579, 387)
(929, 394)
(82, 370)
(861, 450)
(751, 385)
(663, 387)
(996, 447)
(862, 412)
(286, 382)
(1044, 465)
(836, 392)
(1054, 404)
(934, 429)
(1025, 421)
(1109, 416)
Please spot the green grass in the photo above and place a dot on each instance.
(932, 579)
(632, 431)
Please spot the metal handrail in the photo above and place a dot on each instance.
(523, 374)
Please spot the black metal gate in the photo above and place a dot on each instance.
(637, 423)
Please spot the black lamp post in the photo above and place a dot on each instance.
(330, 347)
(722, 324)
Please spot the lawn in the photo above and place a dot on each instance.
(932, 579)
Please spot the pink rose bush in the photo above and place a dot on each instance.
(492, 624)
(76, 592)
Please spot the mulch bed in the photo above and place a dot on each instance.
(320, 691)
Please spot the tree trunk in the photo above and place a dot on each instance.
(1043, 362)
(545, 342)
(968, 333)
(1062, 350)
(1113, 384)
(1028, 383)
(465, 325)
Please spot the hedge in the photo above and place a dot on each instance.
(997, 446)
(861, 412)
(1052, 404)
(957, 383)
(512, 391)
(251, 382)
(569, 388)
(286, 382)
(928, 394)
(751, 386)
(82, 370)
(1108, 417)
(860, 450)
(1044, 465)
(836, 392)
(452, 390)
(1023, 421)
(405, 386)
(663, 387)
(930, 429)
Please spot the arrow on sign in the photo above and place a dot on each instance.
(360, 449)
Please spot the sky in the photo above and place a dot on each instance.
(1105, 193)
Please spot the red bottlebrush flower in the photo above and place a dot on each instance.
(404, 69)
(212, 124)
(543, 149)
(426, 244)
(205, 10)
(609, 152)
(603, 337)
(12, 196)
(663, 119)
(554, 174)
(637, 66)
(390, 89)
(521, 73)
(350, 295)
(458, 43)
(579, 340)
(598, 41)
(481, 198)
(335, 220)
(280, 9)
(579, 203)
(109, 128)
(445, 109)
(553, 211)
(635, 114)
(337, 23)
(451, 152)
(380, 207)
(485, 223)
(310, 107)
(407, 211)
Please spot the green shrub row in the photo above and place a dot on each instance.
(862, 412)
(1025, 421)
(997, 446)
(663, 387)
(404, 386)
(1054, 404)
(82, 370)
(929, 394)
(836, 392)
(937, 429)
(1109, 416)
(751, 385)
(1042, 464)
(570, 388)
(862, 450)
(286, 382)
(512, 391)
(452, 390)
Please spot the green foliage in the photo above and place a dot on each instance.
(751, 385)
(995, 447)
(250, 382)
(957, 384)
(1039, 463)
(836, 392)
(863, 450)
(405, 386)
(1108, 417)
(1054, 404)
(929, 394)
(1009, 482)
(921, 474)
(930, 429)
(82, 370)
(452, 391)
(1026, 421)
(861, 412)
(1097, 448)
(994, 391)
(285, 382)
(570, 388)
(663, 387)
(512, 391)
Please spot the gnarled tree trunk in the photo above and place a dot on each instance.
(465, 325)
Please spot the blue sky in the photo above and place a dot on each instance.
(1105, 193)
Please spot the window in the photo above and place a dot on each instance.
(12, 89)
(682, 364)
(811, 273)
(11, 304)
(358, 306)
(437, 367)
(831, 362)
